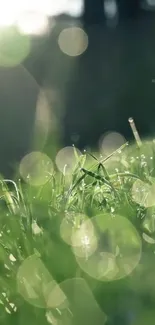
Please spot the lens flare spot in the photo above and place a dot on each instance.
(36, 168)
(83, 308)
(32, 281)
(84, 241)
(67, 159)
(151, 3)
(70, 224)
(54, 296)
(110, 8)
(14, 47)
(107, 266)
(143, 193)
(118, 248)
(110, 142)
(73, 41)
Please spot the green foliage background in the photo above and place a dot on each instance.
(95, 187)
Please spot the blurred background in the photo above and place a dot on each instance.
(73, 70)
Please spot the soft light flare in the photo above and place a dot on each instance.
(33, 23)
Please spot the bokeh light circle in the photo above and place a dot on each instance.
(151, 2)
(14, 47)
(107, 266)
(37, 286)
(110, 142)
(110, 8)
(77, 231)
(73, 41)
(70, 224)
(84, 241)
(67, 159)
(143, 193)
(32, 281)
(117, 251)
(36, 168)
(54, 296)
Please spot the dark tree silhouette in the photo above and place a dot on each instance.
(128, 8)
(94, 9)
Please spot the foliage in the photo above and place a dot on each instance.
(33, 247)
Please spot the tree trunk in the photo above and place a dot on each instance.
(93, 11)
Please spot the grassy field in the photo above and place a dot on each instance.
(79, 248)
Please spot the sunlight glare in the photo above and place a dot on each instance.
(6, 18)
(8, 12)
(74, 8)
(33, 23)
(12, 10)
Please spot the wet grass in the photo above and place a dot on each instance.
(31, 219)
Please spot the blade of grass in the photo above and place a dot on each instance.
(100, 178)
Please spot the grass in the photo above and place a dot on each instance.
(44, 276)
